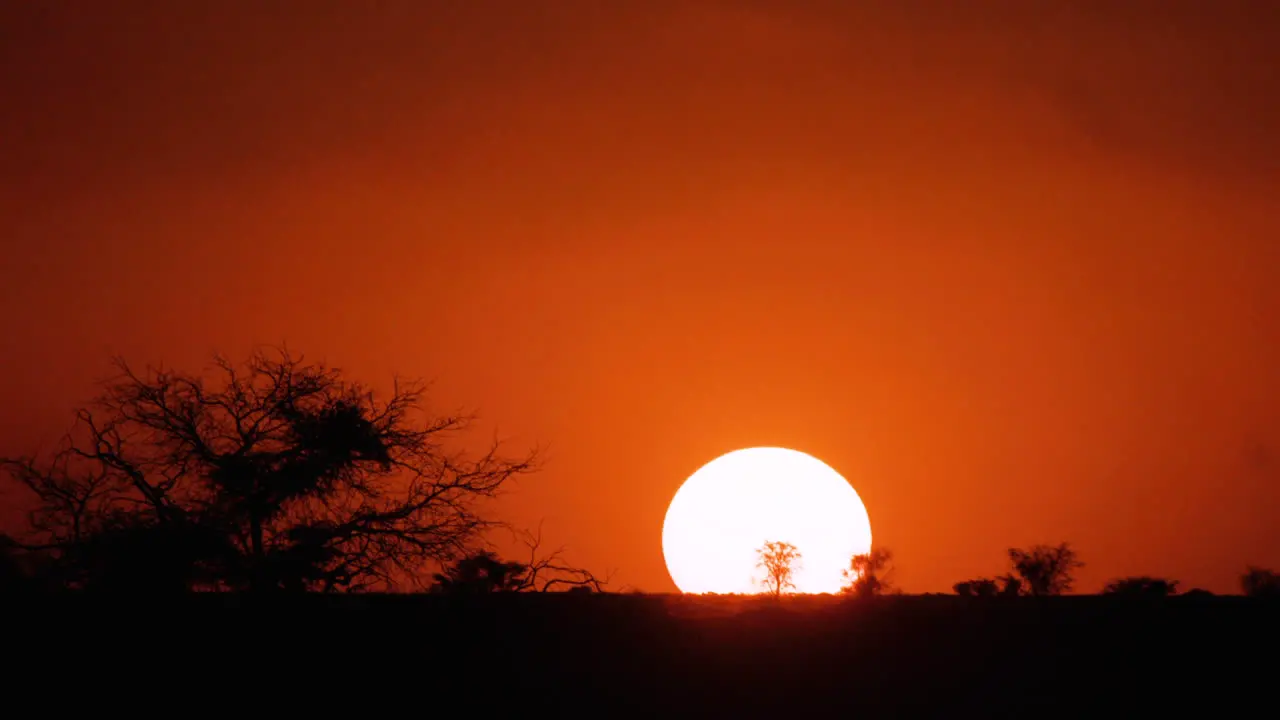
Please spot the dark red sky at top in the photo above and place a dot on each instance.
(1010, 267)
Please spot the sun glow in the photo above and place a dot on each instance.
(736, 503)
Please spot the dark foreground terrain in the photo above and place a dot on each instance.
(635, 656)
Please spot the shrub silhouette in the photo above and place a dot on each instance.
(1044, 569)
(481, 573)
(484, 572)
(1260, 582)
(1141, 586)
(868, 573)
(978, 587)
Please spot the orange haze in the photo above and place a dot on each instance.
(1011, 268)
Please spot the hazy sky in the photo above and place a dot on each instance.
(1010, 267)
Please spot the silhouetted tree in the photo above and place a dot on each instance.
(277, 474)
(1141, 586)
(484, 572)
(1260, 582)
(978, 587)
(1045, 570)
(780, 561)
(868, 573)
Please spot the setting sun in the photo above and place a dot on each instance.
(736, 503)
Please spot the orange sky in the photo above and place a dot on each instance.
(1011, 268)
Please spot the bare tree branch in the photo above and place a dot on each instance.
(549, 572)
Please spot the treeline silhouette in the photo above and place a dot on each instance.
(1039, 571)
(277, 509)
(279, 475)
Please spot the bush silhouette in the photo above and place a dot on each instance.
(1141, 586)
(978, 587)
(1260, 582)
(1044, 569)
(869, 573)
(481, 573)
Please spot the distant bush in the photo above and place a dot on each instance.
(869, 573)
(1260, 582)
(978, 587)
(1044, 569)
(1144, 586)
(1003, 586)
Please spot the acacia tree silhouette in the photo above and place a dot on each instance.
(869, 573)
(1044, 569)
(780, 560)
(278, 474)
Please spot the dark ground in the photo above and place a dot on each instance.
(636, 656)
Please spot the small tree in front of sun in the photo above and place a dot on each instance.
(780, 561)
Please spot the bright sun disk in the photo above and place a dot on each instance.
(734, 504)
